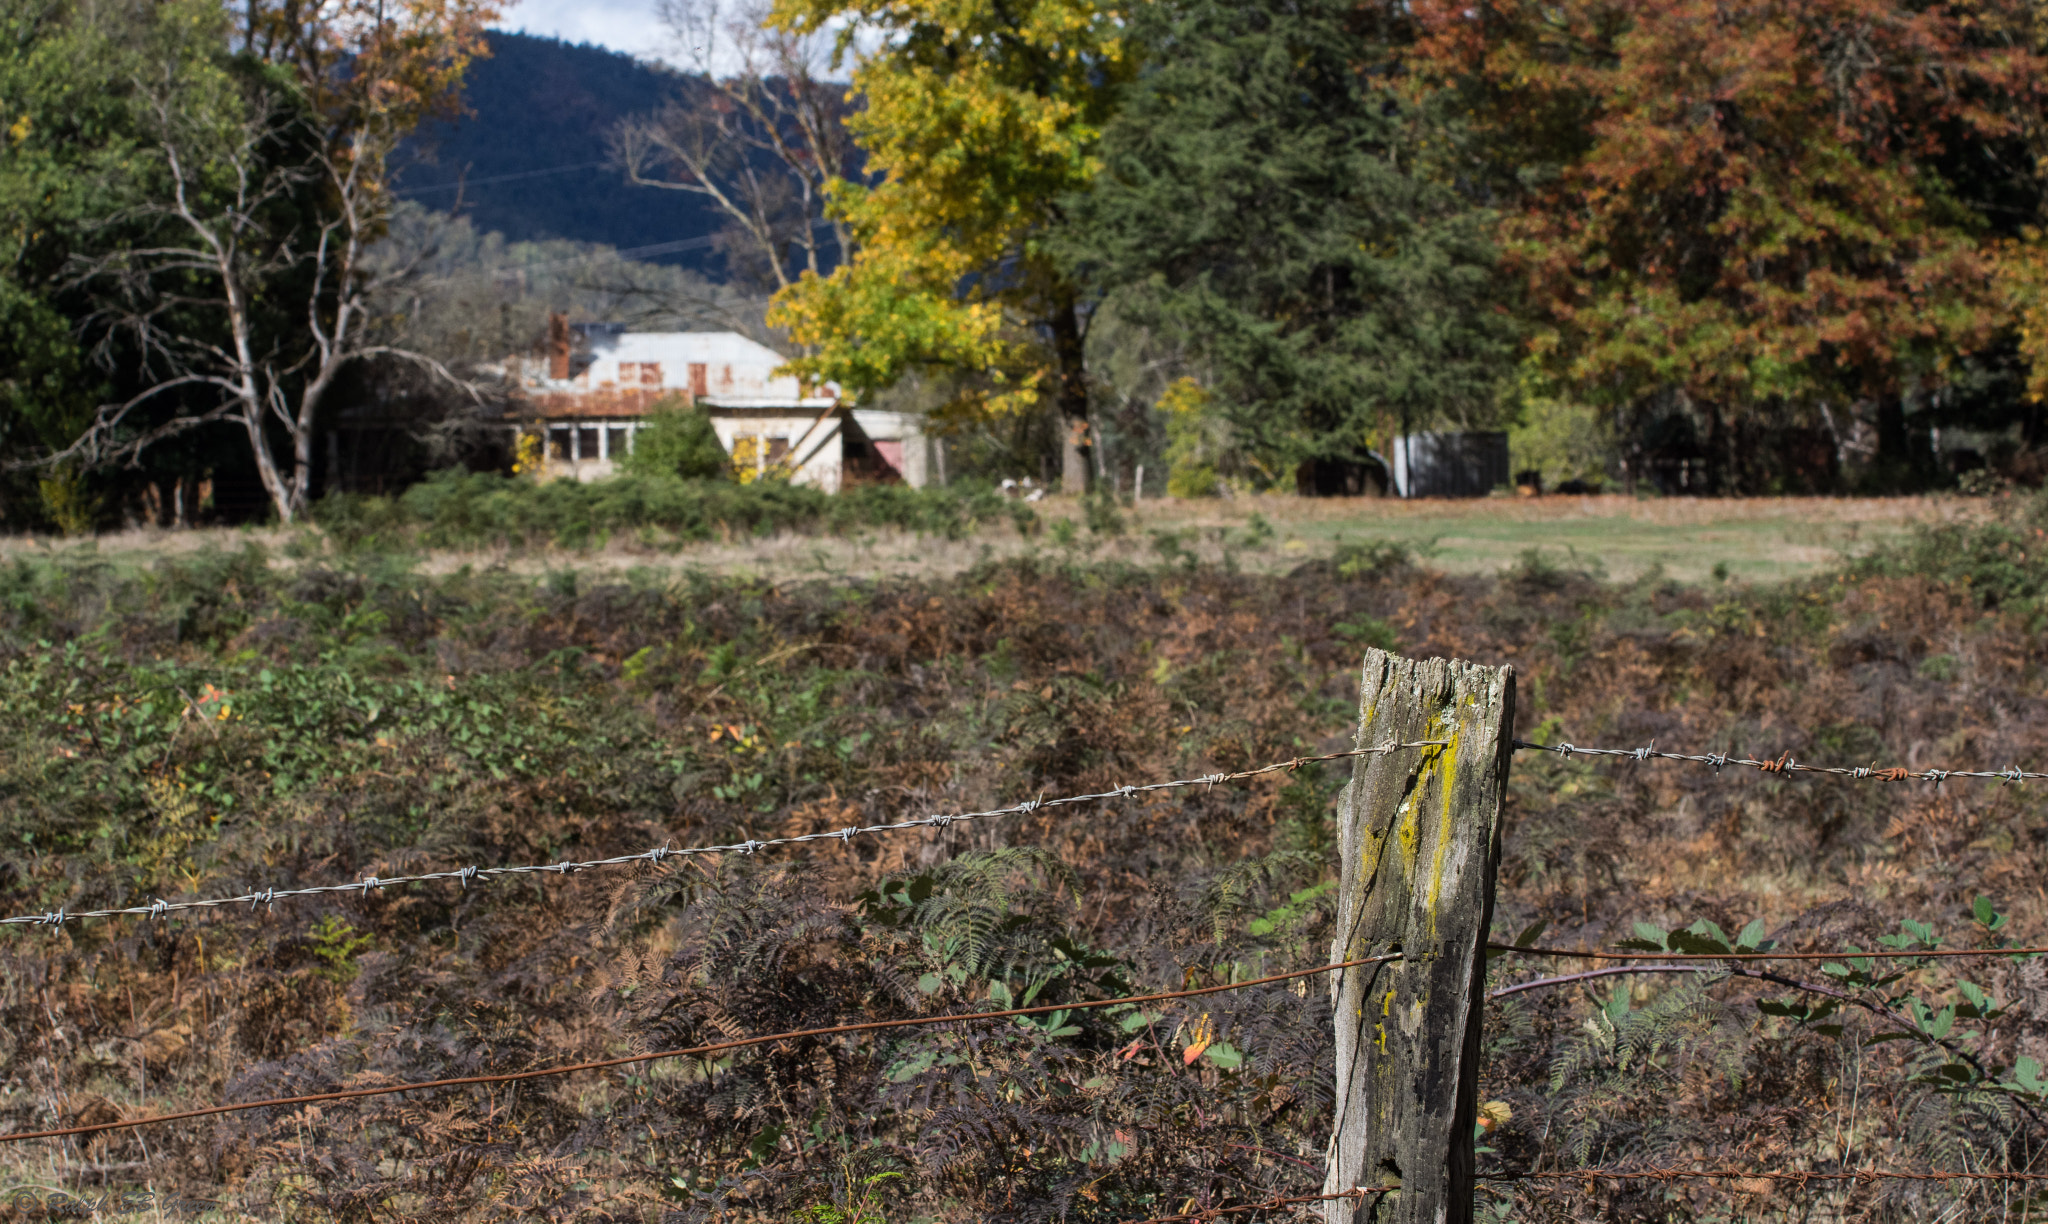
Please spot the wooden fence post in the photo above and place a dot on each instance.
(1419, 834)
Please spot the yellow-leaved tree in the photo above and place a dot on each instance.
(2022, 278)
(2020, 263)
(979, 117)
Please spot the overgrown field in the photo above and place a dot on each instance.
(457, 509)
(213, 725)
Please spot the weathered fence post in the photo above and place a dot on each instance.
(1419, 832)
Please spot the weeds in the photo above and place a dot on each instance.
(454, 509)
(213, 725)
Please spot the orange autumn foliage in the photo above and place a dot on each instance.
(1741, 201)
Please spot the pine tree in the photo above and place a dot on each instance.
(1269, 188)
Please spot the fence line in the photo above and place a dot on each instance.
(349, 1094)
(1652, 957)
(1785, 764)
(1794, 1175)
(1569, 978)
(1210, 1213)
(1800, 1176)
(466, 875)
(1650, 961)
(161, 908)
(771, 1038)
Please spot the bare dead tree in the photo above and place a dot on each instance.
(256, 289)
(763, 139)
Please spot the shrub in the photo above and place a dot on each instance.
(2000, 564)
(1373, 559)
(457, 509)
(678, 440)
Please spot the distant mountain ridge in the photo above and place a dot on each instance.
(531, 152)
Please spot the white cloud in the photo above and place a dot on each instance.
(622, 25)
(631, 26)
(634, 27)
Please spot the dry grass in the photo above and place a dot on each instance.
(1751, 539)
(870, 701)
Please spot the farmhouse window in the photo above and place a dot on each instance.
(700, 379)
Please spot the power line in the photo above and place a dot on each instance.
(350, 1094)
(1785, 764)
(499, 178)
(161, 908)
(672, 247)
(513, 271)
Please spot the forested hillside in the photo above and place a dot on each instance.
(543, 110)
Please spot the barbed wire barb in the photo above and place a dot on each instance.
(471, 874)
(1786, 764)
(1791, 1175)
(1836, 955)
(1210, 1213)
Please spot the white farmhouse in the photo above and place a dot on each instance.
(592, 387)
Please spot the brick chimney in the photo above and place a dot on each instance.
(558, 347)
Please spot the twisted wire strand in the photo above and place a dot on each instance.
(1801, 1176)
(1210, 1213)
(1934, 954)
(468, 875)
(867, 1026)
(1865, 1176)
(1785, 764)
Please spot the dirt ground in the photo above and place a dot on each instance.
(1691, 539)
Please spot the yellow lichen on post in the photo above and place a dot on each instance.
(1448, 756)
(1418, 830)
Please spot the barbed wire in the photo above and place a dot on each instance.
(1799, 1176)
(1210, 1213)
(468, 875)
(1785, 764)
(1857, 954)
(161, 908)
(1854, 954)
(1773, 1175)
(599, 1064)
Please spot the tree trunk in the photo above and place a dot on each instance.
(1892, 456)
(1419, 834)
(1721, 470)
(274, 481)
(1077, 438)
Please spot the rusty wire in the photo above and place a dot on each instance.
(349, 1094)
(1210, 1213)
(1866, 1176)
(269, 896)
(1801, 1176)
(1853, 954)
(1785, 764)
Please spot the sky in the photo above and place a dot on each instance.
(622, 25)
(631, 26)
